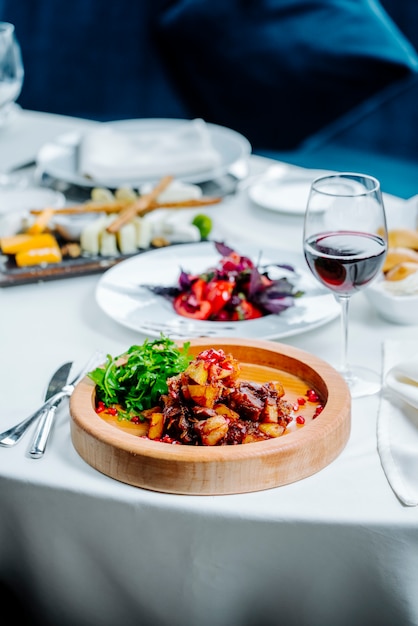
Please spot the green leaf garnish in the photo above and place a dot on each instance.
(138, 377)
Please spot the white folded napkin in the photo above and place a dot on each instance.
(397, 425)
(183, 149)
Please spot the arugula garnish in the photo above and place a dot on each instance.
(137, 378)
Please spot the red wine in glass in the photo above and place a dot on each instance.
(345, 261)
(345, 245)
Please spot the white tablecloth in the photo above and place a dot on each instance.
(79, 548)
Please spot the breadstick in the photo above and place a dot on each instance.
(113, 206)
(181, 204)
(41, 222)
(117, 205)
(143, 203)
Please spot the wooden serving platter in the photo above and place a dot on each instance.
(118, 452)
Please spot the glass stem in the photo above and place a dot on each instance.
(344, 302)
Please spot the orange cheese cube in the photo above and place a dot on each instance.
(36, 256)
(24, 241)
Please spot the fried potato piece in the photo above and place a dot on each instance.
(270, 412)
(224, 410)
(198, 372)
(156, 426)
(204, 395)
(213, 430)
(271, 429)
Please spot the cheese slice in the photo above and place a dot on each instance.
(90, 235)
(107, 241)
(143, 232)
(108, 244)
(126, 237)
(36, 256)
(24, 241)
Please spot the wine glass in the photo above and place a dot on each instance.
(345, 245)
(11, 71)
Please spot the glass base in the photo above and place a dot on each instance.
(8, 113)
(362, 381)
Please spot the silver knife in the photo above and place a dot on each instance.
(43, 427)
(11, 436)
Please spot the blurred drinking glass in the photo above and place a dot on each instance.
(11, 71)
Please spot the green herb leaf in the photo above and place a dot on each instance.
(137, 378)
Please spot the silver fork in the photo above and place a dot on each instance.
(11, 436)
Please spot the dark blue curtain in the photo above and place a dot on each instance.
(275, 70)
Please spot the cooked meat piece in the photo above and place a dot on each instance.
(285, 412)
(236, 432)
(174, 386)
(177, 420)
(202, 413)
(247, 400)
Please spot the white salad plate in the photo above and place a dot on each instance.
(287, 194)
(59, 159)
(121, 297)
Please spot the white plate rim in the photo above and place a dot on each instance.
(43, 198)
(305, 176)
(146, 309)
(58, 158)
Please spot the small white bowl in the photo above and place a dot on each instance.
(15, 205)
(70, 227)
(15, 199)
(393, 307)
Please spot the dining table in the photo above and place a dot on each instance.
(78, 547)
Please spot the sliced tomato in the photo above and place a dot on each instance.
(246, 311)
(218, 292)
(198, 288)
(223, 316)
(188, 306)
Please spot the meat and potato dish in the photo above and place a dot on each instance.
(208, 404)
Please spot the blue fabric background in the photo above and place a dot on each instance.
(276, 70)
(284, 68)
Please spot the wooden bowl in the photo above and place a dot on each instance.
(218, 470)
